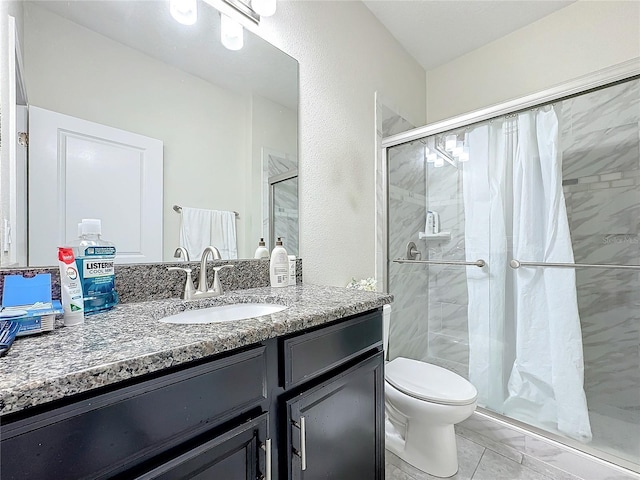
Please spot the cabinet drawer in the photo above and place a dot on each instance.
(311, 354)
(92, 437)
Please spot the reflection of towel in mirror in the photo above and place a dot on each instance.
(223, 233)
(195, 230)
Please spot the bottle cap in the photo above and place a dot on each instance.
(261, 242)
(91, 226)
(279, 242)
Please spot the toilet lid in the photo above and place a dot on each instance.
(429, 382)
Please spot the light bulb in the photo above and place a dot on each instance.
(464, 156)
(457, 150)
(184, 11)
(431, 158)
(439, 162)
(264, 8)
(231, 33)
(450, 142)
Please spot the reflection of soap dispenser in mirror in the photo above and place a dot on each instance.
(262, 251)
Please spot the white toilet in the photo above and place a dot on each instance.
(422, 404)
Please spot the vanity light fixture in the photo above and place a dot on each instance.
(458, 149)
(184, 11)
(233, 15)
(450, 142)
(231, 33)
(264, 8)
(464, 156)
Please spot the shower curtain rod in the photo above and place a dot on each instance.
(178, 209)
(515, 264)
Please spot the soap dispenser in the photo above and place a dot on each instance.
(261, 251)
(279, 266)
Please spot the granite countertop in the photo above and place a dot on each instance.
(128, 341)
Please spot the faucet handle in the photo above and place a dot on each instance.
(217, 286)
(189, 288)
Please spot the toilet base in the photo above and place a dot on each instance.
(429, 448)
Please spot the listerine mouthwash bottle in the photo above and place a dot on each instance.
(95, 258)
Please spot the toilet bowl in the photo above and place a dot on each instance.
(422, 404)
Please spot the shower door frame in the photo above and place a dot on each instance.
(593, 81)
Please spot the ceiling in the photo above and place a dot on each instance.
(435, 32)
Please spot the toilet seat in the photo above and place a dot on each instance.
(429, 382)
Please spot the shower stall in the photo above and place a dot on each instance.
(529, 283)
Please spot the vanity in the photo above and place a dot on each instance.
(297, 394)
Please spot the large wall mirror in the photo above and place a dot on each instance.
(224, 124)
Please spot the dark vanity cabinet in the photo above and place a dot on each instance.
(335, 413)
(304, 406)
(335, 427)
(242, 453)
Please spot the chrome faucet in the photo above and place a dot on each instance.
(182, 252)
(204, 290)
(202, 278)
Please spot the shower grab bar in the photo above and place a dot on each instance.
(478, 263)
(515, 264)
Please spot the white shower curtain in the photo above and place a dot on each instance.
(485, 238)
(538, 310)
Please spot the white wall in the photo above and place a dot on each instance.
(579, 39)
(345, 56)
(72, 70)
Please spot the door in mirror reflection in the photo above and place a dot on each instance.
(80, 169)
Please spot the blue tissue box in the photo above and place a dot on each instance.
(32, 298)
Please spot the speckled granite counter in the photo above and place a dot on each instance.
(129, 341)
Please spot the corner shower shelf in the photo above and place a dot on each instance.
(435, 237)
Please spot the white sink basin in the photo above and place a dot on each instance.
(224, 313)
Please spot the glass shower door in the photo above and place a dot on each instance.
(283, 200)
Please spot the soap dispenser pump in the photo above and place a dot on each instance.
(261, 251)
(279, 266)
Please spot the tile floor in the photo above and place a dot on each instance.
(475, 463)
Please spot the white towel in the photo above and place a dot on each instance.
(195, 230)
(223, 233)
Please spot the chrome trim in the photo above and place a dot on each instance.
(616, 73)
(478, 263)
(515, 264)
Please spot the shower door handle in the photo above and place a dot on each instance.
(515, 264)
(478, 263)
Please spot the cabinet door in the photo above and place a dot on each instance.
(243, 453)
(336, 430)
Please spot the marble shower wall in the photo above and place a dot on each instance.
(408, 336)
(600, 139)
(448, 330)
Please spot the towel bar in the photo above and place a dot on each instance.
(178, 209)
